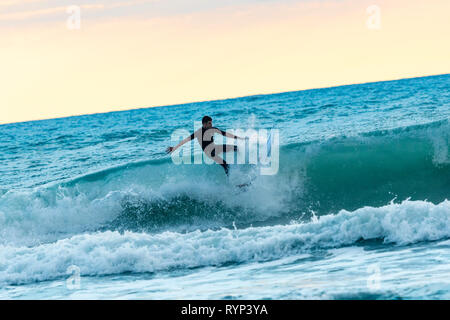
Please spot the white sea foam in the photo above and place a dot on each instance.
(114, 253)
(47, 214)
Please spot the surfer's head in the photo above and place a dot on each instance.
(207, 122)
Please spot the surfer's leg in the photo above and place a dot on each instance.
(225, 148)
(225, 167)
(221, 149)
(230, 148)
(222, 163)
(219, 160)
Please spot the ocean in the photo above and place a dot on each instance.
(91, 207)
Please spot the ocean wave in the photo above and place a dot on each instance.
(320, 178)
(112, 252)
(436, 136)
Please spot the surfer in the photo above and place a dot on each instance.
(205, 138)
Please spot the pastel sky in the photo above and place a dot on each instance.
(140, 53)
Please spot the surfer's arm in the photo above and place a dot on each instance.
(229, 135)
(187, 139)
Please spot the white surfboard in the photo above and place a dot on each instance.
(267, 156)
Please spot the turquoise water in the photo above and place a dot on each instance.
(358, 209)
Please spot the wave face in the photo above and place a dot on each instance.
(315, 178)
(361, 162)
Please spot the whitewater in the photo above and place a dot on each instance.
(359, 208)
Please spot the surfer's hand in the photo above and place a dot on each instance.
(169, 149)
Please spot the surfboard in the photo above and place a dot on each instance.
(269, 144)
(267, 155)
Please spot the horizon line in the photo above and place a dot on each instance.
(222, 99)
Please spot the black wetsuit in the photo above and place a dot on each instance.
(206, 141)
